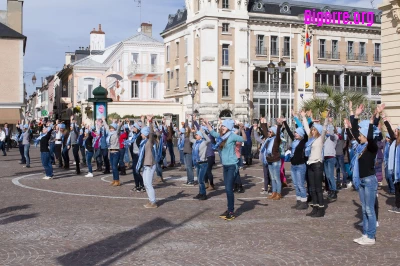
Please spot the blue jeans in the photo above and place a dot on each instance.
(181, 157)
(340, 168)
(229, 180)
(65, 155)
(89, 156)
(21, 152)
(137, 176)
(189, 167)
(299, 177)
(348, 172)
(367, 192)
(121, 157)
(114, 158)
(275, 175)
(98, 157)
(46, 162)
(238, 180)
(26, 154)
(148, 173)
(201, 173)
(170, 147)
(52, 146)
(329, 168)
(3, 147)
(104, 153)
(389, 179)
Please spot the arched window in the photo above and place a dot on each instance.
(225, 113)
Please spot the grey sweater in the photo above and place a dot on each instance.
(74, 135)
(187, 146)
(203, 145)
(114, 139)
(26, 139)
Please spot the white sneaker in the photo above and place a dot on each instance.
(264, 192)
(367, 241)
(349, 185)
(89, 175)
(358, 240)
(47, 177)
(377, 224)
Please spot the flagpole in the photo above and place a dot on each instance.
(279, 76)
(290, 74)
(305, 63)
(269, 85)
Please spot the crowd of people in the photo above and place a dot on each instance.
(322, 157)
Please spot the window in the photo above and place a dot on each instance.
(274, 46)
(322, 50)
(361, 51)
(90, 91)
(225, 54)
(286, 46)
(335, 49)
(377, 53)
(168, 80)
(225, 3)
(177, 50)
(135, 89)
(88, 83)
(153, 91)
(350, 51)
(135, 58)
(153, 60)
(177, 77)
(225, 88)
(225, 27)
(260, 50)
(167, 53)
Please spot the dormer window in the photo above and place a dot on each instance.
(285, 8)
(170, 19)
(327, 9)
(180, 13)
(259, 5)
(225, 4)
(378, 17)
(352, 14)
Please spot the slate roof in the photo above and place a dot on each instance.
(177, 19)
(142, 38)
(88, 62)
(7, 32)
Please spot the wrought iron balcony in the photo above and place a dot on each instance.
(261, 50)
(263, 87)
(134, 69)
(377, 58)
(335, 55)
(375, 91)
(287, 52)
(351, 56)
(274, 52)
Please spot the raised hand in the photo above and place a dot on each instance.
(350, 105)
(303, 114)
(359, 110)
(150, 117)
(380, 108)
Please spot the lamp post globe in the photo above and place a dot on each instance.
(34, 79)
(281, 66)
(271, 68)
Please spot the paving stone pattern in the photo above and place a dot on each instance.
(73, 220)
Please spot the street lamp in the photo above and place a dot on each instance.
(192, 88)
(272, 70)
(247, 98)
(33, 78)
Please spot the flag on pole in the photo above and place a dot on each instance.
(307, 58)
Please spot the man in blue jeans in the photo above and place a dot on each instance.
(329, 152)
(26, 140)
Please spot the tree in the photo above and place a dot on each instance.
(113, 116)
(337, 102)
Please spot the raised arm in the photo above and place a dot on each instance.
(305, 124)
(372, 146)
(291, 136)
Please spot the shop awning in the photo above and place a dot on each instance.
(9, 115)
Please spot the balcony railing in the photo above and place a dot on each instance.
(263, 87)
(328, 55)
(318, 87)
(260, 50)
(274, 52)
(145, 69)
(375, 91)
(363, 57)
(351, 56)
(377, 58)
(287, 52)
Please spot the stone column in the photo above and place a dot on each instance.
(390, 60)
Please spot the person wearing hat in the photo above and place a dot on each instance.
(89, 150)
(45, 151)
(113, 146)
(313, 150)
(26, 141)
(181, 144)
(58, 143)
(226, 142)
(298, 166)
(340, 146)
(364, 177)
(199, 158)
(329, 152)
(136, 140)
(248, 158)
(20, 135)
(72, 142)
(122, 138)
(104, 131)
(147, 161)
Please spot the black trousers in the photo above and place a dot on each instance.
(75, 152)
(21, 152)
(83, 153)
(57, 153)
(397, 194)
(8, 141)
(136, 176)
(315, 175)
(209, 175)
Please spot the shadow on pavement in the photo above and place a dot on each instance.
(111, 249)
(248, 205)
(17, 218)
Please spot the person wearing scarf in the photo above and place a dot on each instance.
(181, 144)
(19, 139)
(226, 144)
(26, 141)
(136, 140)
(113, 145)
(199, 159)
(340, 145)
(87, 143)
(45, 151)
(298, 165)
(238, 149)
(122, 138)
(313, 150)
(388, 177)
(364, 179)
(263, 153)
(80, 143)
(274, 159)
(147, 161)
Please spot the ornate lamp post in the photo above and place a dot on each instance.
(192, 88)
(277, 76)
(33, 78)
(247, 98)
(100, 102)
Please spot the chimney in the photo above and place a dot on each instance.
(147, 29)
(15, 15)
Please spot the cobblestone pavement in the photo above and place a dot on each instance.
(73, 220)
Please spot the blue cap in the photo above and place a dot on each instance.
(318, 127)
(26, 126)
(61, 126)
(145, 131)
(182, 130)
(364, 123)
(339, 130)
(113, 125)
(205, 128)
(300, 131)
(93, 128)
(364, 131)
(136, 125)
(273, 129)
(200, 134)
(229, 123)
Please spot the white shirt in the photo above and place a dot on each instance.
(2, 135)
(58, 136)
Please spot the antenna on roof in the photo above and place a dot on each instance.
(140, 9)
(372, 3)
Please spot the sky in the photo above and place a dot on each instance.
(54, 27)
